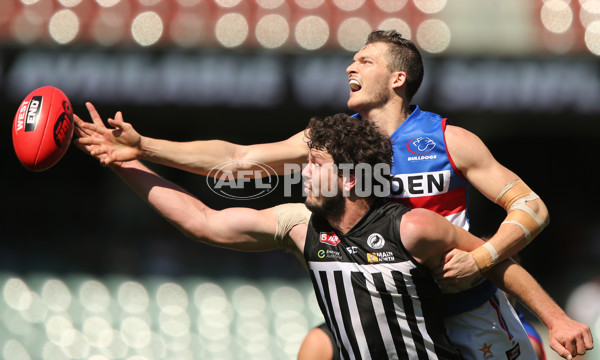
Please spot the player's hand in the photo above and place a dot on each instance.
(120, 143)
(569, 338)
(457, 268)
(80, 133)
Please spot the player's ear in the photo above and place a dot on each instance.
(348, 183)
(398, 79)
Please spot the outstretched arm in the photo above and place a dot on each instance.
(567, 337)
(527, 214)
(123, 143)
(235, 228)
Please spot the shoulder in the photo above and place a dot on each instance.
(426, 235)
(420, 224)
(459, 134)
(292, 219)
(418, 219)
(466, 149)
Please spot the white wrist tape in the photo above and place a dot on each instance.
(485, 256)
(492, 251)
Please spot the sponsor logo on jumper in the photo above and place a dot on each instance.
(514, 352)
(375, 241)
(376, 257)
(329, 254)
(420, 184)
(329, 238)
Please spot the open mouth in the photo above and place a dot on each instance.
(354, 85)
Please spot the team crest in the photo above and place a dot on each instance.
(329, 238)
(420, 145)
(375, 241)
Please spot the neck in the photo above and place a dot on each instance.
(355, 209)
(388, 117)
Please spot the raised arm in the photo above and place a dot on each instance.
(123, 143)
(527, 214)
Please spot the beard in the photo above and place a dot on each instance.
(331, 207)
(377, 98)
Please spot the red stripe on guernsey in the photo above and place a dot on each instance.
(500, 318)
(445, 122)
(449, 203)
(540, 346)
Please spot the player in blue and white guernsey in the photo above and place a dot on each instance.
(433, 163)
(424, 175)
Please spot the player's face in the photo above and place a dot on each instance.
(322, 184)
(369, 78)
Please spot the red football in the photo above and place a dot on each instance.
(43, 128)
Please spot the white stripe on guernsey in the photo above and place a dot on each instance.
(342, 333)
(384, 328)
(361, 339)
(409, 341)
(459, 219)
(385, 270)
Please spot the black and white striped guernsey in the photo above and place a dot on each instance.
(378, 301)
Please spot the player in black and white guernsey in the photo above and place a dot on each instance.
(374, 286)
(380, 302)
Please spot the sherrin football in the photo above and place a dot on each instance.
(43, 128)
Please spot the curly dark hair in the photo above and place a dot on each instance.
(350, 140)
(403, 56)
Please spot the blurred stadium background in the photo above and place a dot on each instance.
(88, 271)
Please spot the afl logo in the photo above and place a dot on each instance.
(420, 145)
(247, 185)
(375, 241)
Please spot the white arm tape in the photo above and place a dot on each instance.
(492, 250)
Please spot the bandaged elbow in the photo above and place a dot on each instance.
(514, 198)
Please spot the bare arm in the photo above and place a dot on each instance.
(427, 235)
(235, 228)
(567, 336)
(203, 155)
(123, 143)
(489, 177)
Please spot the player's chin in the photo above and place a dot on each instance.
(313, 201)
(353, 101)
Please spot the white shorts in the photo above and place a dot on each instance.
(491, 331)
